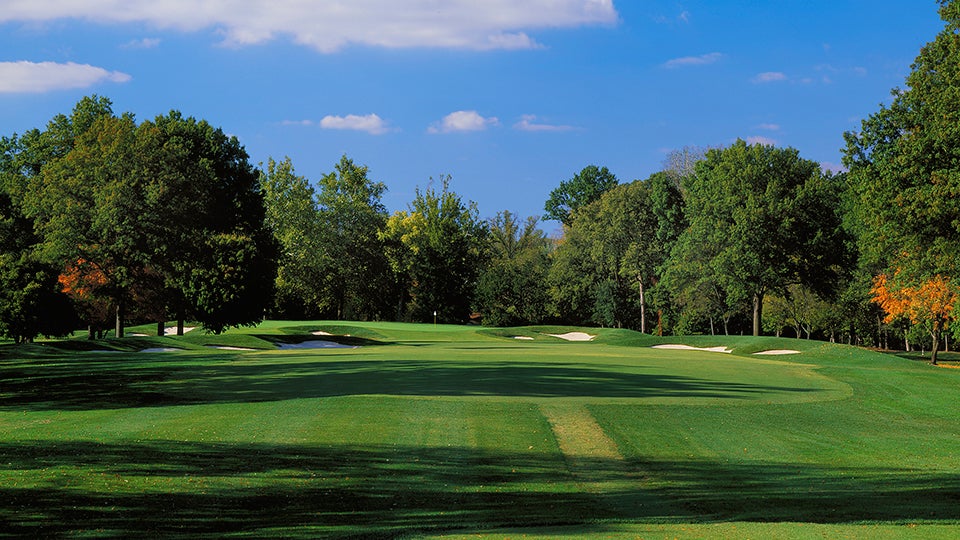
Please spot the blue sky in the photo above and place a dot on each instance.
(509, 97)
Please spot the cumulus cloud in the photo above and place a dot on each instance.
(370, 123)
(463, 121)
(769, 77)
(329, 25)
(37, 77)
(528, 122)
(769, 127)
(701, 60)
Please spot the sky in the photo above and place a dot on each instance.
(507, 97)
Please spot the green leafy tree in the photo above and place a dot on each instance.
(31, 299)
(768, 220)
(512, 290)
(435, 249)
(357, 281)
(904, 172)
(87, 205)
(293, 216)
(616, 240)
(584, 188)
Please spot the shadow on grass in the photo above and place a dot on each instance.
(106, 383)
(166, 488)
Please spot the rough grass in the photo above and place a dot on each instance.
(459, 432)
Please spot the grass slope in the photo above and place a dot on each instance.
(457, 432)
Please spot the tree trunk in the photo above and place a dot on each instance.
(91, 331)
(643, 307)
(119, 322)
(935, 335)
(757, 312)
(160, 329)
(712, 333)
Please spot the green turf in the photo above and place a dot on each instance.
(467, 432)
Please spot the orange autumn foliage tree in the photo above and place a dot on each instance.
(931, 303)
(84, 282)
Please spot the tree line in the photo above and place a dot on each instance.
(106, 220)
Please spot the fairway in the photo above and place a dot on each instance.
(423, 430)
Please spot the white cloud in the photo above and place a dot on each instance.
(769, 76)
(528, 122)
(757, 139)
(370, 123)
(701, 60)
(329, 25)
(145, 43)
(769, 127)
(461, 121)
(36, 77)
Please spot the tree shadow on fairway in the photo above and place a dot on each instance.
(122, 383)
(190, 489)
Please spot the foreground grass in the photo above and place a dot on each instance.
(453, 431)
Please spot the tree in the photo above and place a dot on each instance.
(616, 241)
(904, 172)
(512, 290)
(929, 303)
(293, 217)
(31, 300)
(768, 219)
(435, 250)
(584, 188)
(351, 215)
(141, 207)
(87, 205)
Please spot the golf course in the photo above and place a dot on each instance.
(392, 430)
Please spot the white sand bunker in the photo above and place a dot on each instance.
(321, 333)
(679, 347)
(160, 350)
(524, 338)
(172, 330)
(778, 352)
(574, 336)
(229, 348)
(314, 344)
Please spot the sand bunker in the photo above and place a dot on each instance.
(314, 344)
(778, 351)
(229, 348)
(160, 350)
(321, 333)
(172, 330)
(679, 347)
(574, 336)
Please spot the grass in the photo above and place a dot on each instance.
(457, 432)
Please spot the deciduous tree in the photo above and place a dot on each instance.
(584, 188)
